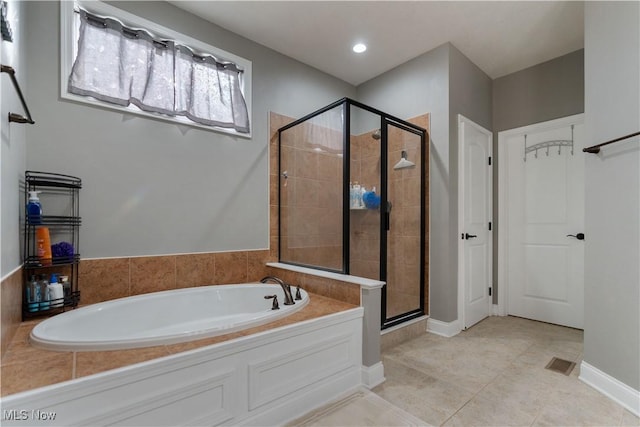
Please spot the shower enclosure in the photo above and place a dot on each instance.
(352, 200)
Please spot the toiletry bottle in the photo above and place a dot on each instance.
(33, 294)
(66, 286)
(34, 208)
(356, 193)
(361, 196)
(43, 245)
(56, 293)
(352, 195)
(44, 293)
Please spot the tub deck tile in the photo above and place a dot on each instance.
(25, 367)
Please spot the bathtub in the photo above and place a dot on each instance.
(161, 318)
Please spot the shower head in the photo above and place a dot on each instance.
(376, 134)
(404, 163)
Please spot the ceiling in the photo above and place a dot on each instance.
(500, 37)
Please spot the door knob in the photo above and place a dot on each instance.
(469, 236)
(579, 236)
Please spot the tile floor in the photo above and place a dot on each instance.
(493, 374)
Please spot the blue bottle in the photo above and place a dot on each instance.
(34, 208)
(33, 295)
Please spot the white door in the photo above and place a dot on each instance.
(474, 207)
(542, 220)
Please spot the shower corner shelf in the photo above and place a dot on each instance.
(59, 190)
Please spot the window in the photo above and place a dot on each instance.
(108, 59)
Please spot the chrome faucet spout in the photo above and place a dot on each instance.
(288, 297)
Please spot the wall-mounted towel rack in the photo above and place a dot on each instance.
(595, 149)
(12, 116)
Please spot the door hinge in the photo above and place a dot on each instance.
(489, 225)
(489, 290)
(489, 160)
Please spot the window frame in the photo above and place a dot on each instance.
(68, 49)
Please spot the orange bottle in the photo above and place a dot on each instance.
(43, 245)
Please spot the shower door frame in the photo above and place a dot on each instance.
(385, 120)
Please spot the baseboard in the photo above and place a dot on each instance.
(495, 310)
(372, 375)
(445, 329)
(611, 387)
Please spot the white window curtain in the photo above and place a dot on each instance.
(127, 66)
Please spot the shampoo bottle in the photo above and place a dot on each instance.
(43, 245)
(34, 208)
(33, 294)
(56, 293)
(44, 293)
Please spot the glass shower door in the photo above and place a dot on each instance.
(311, 161)
(403, 295)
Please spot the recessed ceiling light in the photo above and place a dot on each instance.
(359, 47)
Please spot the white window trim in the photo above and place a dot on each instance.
(68, 48)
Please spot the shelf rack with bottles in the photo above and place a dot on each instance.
(59, 195)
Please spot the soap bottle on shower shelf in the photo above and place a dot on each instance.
(34, 208)
(356, 195)
(56, 293)
(361, 197)
(350, 195)
(33, 294)
(44, 292)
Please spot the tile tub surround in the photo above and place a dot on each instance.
(110, 278)
(25, 367)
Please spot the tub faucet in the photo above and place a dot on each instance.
(288, 298)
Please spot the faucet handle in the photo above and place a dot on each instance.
(298, 296)
(275, 305)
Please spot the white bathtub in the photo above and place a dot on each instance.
(160, 318)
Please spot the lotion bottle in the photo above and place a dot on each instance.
(56, 293)
(44, 293)
(34, 208)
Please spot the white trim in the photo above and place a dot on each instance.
(373, 375)
(362, 281)
(445, 329)
(503, 202)
(461, 179)
(495, 310)
(614, 389)
(67, 55)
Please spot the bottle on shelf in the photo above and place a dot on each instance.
(44, 292)
(56, 293)
(33, 294)
(34, 208)
(66, 286)
(43, 240)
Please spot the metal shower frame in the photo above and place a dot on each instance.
(385, 121)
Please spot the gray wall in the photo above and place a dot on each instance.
(152, 187)
(420, 86)
(612, 222)
(470, 94)
(13, 155)
(445, 83)
(546, 91)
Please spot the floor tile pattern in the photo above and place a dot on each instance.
(492, 374)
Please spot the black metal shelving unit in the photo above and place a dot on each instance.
(64, 226)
